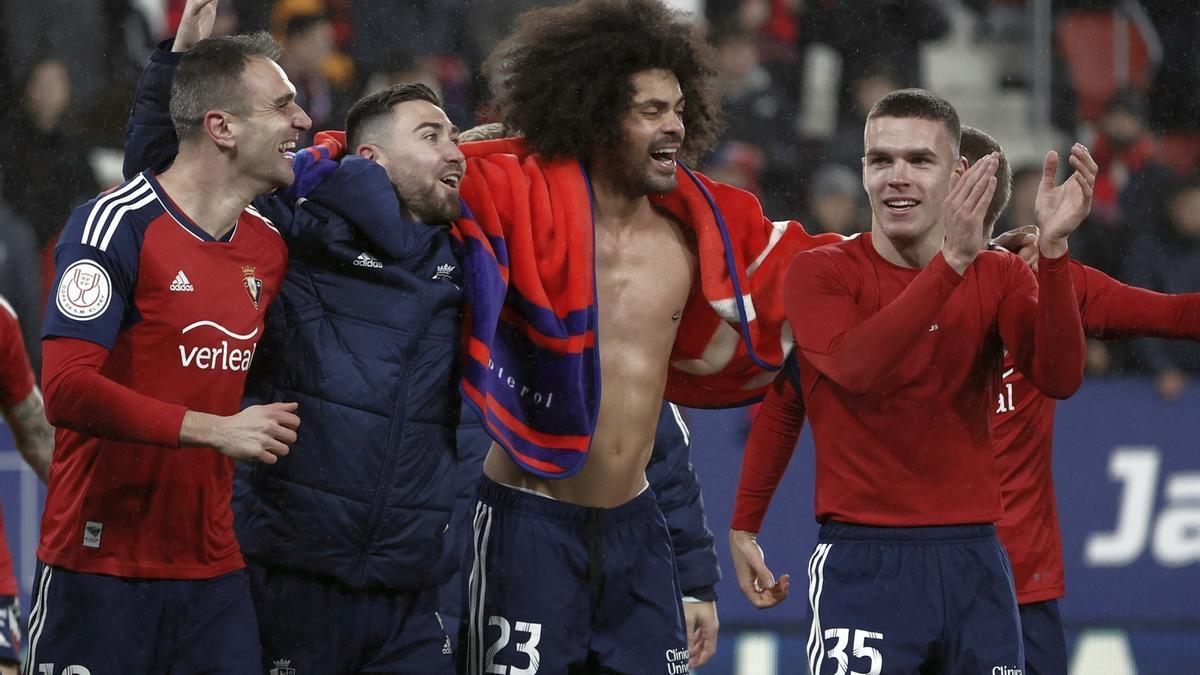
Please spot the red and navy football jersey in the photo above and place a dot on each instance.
(181, 315)
(1023, 430)
(16, 383)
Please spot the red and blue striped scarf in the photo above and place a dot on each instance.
(525, 242)
(532, 367)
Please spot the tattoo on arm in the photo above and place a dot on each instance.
(33, 434)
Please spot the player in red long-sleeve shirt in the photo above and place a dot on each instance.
(158, 305)
(1023, 425)
(897, 374)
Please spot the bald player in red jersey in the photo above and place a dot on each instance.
(1023, 426)
(908, 569)
(21, 404)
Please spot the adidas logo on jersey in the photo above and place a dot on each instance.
(182, 283)
(367, 260)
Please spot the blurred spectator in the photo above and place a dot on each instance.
(447, 76)
(20, 275)
(69, 29)
(836, 202)
(1168, 260)
(738, 164)
(845, 147)
(1008, 25)
(1175, 90)
(308, 44)
(45, 169)
(777, 29)
(1131, 188)
(1024, 193)
(424, 27)
(755, 114)
(490, 21)
(741, 165)
(866, 33)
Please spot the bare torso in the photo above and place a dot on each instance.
(645, 265)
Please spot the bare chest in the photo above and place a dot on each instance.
(643, 278)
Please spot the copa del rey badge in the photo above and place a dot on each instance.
(283, 667)
(252, 283)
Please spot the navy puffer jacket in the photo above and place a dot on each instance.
(365, 337)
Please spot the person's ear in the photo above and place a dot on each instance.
(219, 127)
(368, 151)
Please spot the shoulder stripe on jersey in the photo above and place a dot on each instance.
(116, 220)
(254, 212)
(102, 203)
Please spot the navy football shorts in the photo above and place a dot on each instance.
(94, 624)
(313, 625)
(903, 600)
(1045, 642)
(10, 630)
(551, 587)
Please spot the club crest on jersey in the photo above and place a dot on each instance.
(283, 667)
(252, 283)
(84, 291)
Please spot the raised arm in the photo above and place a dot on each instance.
(1040, 322)
(150, 140)
(1040, 325)
(856, 351)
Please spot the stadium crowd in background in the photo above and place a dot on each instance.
(63, 133)
(62, 137)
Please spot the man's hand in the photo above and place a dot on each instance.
(1060, 209)
(1023, 241)
(259, 433)
(701, 622)
(196, 24)
(964, 211)
(754, 579)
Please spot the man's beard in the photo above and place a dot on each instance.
(640, 179)
(431, 207)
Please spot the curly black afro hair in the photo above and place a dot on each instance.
(562, 78)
